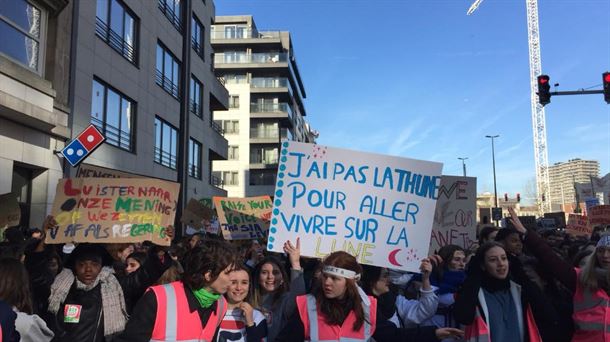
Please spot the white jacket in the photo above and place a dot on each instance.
(32, 328)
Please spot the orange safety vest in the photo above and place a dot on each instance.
(316, 329)
(478, 331)
(176, 322)
(591, 313)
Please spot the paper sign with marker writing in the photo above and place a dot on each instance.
(378, 208)
(578, 225)
(109, 210)
(243, 218)
(455, 216)
(599, 215)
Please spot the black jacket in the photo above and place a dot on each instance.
(90, 326)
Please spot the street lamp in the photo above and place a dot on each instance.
(493, 158)
(463, 164)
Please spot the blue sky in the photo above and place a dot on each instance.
(420, 79)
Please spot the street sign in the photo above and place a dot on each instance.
(78, 149)
(496, 214)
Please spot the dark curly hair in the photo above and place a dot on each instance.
(212, 256)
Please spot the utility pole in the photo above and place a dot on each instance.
(493, 158)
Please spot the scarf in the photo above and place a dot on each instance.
(205, 297)
(492, 284)
(450, 282)
(113, 301)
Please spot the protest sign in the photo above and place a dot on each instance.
(591, 202)
(559, 217)
(109, 210)
(599, 215)
(87, 170)
(578, 225)
(195, 213)
(375, 207)
(455, 215)
(10, 213)
(243, 218)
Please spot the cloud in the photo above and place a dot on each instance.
(409, 137)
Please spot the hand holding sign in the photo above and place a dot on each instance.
(294, 253)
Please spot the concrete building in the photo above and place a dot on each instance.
(562, 176)
(266, 91)
(144, 76)
(35, 43)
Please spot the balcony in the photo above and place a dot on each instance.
(243, 33)
(243, 60)
(271, 110)
(267, 161)
(265, 136)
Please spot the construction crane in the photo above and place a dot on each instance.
(541, 156)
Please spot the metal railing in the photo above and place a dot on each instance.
(216, 127)
(167, 84)
(270, 108)
(258, 159)
(259, 57)
(114, 136)
(171, 15)
(113, 39)
(216, 181)
(256, 133)
(241, 33)
(165, 158)
(198, 48)
(194, 171)
(195, 108)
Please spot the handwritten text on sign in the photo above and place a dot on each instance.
(243, 218)
(455, 216)
(378, 208)
(108, 210)
(578, 225)
(599, 215)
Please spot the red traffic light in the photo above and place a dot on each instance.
(544, 90)
(543, 80)
(607, 77)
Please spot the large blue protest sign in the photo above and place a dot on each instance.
(378, 208)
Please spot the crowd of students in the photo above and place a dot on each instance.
(517, 285)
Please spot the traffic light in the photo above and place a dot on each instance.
(606, 77)
(518, 197)
(544, 90)
(505, 197)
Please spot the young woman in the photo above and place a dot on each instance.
(337, 309)
(187, 310)
(241, 322)
(589, 285)
(492, 306)
(511, 240)
(274, 293)
(15, 290)
(448, 275)
(134, 261)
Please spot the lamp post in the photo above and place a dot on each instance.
(463, 164)
(493, 158)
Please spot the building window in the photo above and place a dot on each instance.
(21, 29)
(264, 155)
(168, 70)
(198, 32)
(229, 177)
(264, 130)
(194, 159)
(166, 145)
(171, 9)
(234, 101)
(233, 152)
(262, 177)
(235, 79)
(229, 126)
(196, 97)
(114, 114)
(116, 25)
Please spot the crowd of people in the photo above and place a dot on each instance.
(516, 285)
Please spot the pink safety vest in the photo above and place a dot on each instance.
(478, 331)
(176, 322)
(591, 313)
(316, 329)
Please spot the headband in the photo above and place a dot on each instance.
(340, 272)
(604, 241)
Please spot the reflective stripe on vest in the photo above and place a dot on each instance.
(312, 311)
(591, 313)
(173, 310)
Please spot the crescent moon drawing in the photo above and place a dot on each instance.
(392, 257)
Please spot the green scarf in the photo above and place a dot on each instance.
(205, 297)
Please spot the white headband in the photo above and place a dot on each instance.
(341, 272)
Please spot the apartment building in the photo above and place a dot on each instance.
(35, 43)
(266, 106)
(144, 76)
(563, 175)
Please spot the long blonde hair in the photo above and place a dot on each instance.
(588, 275)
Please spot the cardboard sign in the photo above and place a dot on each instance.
(599, 215)
(109, 210)
(243, 218)
(10, 213)
(578, 225)
(195, 213)
(455, 215)
(378, 208)
(86, 170)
